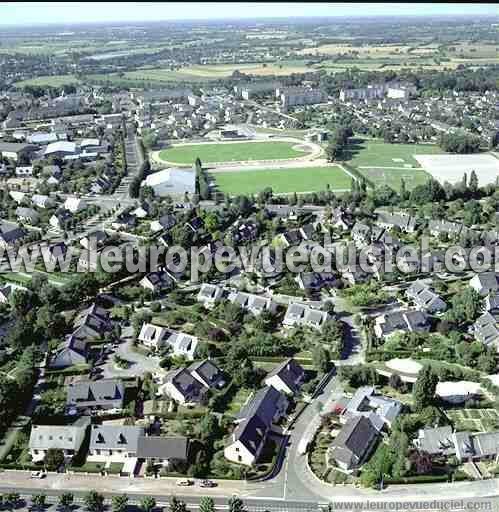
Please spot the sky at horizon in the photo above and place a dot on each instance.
(42, 13)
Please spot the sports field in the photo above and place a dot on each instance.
(393, 177)
(230, 152)
(283, 181)
(376, 153)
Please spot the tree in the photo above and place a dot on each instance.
(177, 505)
(54, 458)
(321, 359)
(12, 499)
(147, 504)
(424, 388)
(38, 501)
(236, 505)
(206, 504)
(94, 502)
(65, 500)
(119, 503)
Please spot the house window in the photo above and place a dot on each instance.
(239, 458)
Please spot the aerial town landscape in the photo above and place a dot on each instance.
(248, 261)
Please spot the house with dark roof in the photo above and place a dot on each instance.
(486, 329)
(425, 298)
(354, 444)
(86, 396)
(167, 451)
(72, 351)
(10, 235)
(92, 323)
(254, 423)
(180, 385)
(315, 281)
(395, 322)
(485, 283)
(401, 221)
(208, 373)
(158, 281)
(210, 294)
(366, 402)
(252, 303)
(303, 315)
(113, 443)
(287, 377)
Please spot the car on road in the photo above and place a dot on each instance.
(207, 483)
(184, 483)
(37, 474)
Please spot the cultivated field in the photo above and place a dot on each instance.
(51, 81)
(376, 153)
(231, 152)
(283, 181)
(451, 168)
(214, 71)
(475, 420)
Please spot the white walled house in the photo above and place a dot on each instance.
(67, 438)
(113, 443)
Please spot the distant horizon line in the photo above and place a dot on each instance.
(256, 18)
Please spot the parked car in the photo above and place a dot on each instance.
(37, 474)
(184, 483)
(207, 483)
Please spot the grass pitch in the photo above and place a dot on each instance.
(283, 181)
(376, 153)
(230, 152)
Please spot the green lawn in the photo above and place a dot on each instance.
(53, 81)
(376, 153)
(393, 177)
(230, 152)
(283, 181)
(238, 401)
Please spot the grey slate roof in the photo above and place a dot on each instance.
(111, 437)
(354, 442)
(289, 372)
(155, 447)
(95, 392)
(263, 405)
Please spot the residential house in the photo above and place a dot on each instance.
(401, 221)
(152, 336)
(485, 283)
(86, 395)
(395, 322)
(68, 438)
(5, 293)
(113, 443)
(94, 240)
(302, 315)
(10, 235)
(157, 282)
(252, 303)
(315, 281)
(424, 298)
(60, 218)
(167, 451)
(486, 329)
(124, 221)
(15, 150)
(379, 409)
(74, 204)
(92, 323)
(458, 392)
(73, 351)
(210, 294)
(182, 387)
(254, 423)
(354, 444)
(208, 373)
(287, 377)
(444, 227)
(42, 201)
(27, 215)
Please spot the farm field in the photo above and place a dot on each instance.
(283, 181)
(53, 81)
(376, 153)
(215, 71)
(230, 152)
